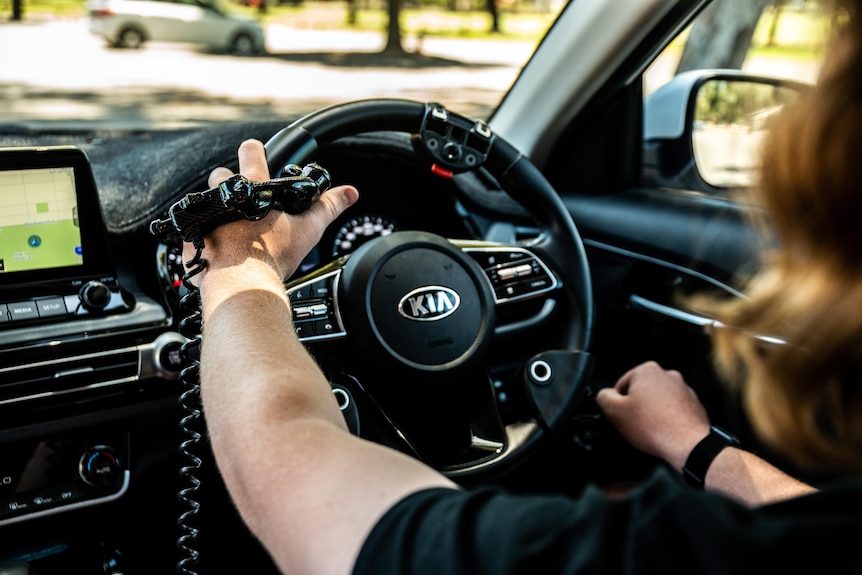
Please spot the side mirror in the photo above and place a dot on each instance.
(703, 129)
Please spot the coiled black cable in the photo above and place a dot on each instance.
(192, 416)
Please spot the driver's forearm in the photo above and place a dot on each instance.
(751, 480)
(250, 346)
(297, 476)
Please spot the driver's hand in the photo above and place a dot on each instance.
(655, 411)
(279, 239)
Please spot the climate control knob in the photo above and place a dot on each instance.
(99, 466)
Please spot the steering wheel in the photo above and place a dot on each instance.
(417, 311)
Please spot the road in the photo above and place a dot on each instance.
(57, 72)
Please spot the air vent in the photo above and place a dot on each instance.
(68, 375)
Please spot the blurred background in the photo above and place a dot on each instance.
(175, 63)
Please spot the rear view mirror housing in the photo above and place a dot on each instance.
(704, 128)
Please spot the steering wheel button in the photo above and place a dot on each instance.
(303, 312)
(300, 293)
(323, 327)
(513, 256)
(320, 289)
(319, 309)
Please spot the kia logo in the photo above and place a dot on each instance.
(429, 303)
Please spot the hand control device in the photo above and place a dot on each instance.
(238, 197)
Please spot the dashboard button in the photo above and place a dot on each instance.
(51, 307)
(4, 313)
(23, 310)
(68, 494)
(17, 505)
(44, 499)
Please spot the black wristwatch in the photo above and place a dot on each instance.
(701, 457)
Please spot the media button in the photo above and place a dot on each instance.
(23, 310)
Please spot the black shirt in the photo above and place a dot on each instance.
(660, 527)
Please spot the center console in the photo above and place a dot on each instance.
(79, 350)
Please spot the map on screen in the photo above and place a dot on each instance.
(38, 220)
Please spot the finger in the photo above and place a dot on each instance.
(332, 204)
(624, 382)
(217, 176)
(252, 160)
(607, 398)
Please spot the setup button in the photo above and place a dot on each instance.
(51, 307)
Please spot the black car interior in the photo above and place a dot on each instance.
(106, 466)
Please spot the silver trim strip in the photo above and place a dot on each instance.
(668, 265)
(641, 303)
(704, 322)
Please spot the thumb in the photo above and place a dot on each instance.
(332, 204)
(608, 398)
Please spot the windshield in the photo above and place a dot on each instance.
(142, 64)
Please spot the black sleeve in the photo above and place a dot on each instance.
(661, 527)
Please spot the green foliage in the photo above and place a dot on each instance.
(739, 102)
(47, 8)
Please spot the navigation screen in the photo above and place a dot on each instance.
(39, 220)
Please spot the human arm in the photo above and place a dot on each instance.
(655, 411)
(308, 489)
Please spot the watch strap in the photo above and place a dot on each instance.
(703, 454)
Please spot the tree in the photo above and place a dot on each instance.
(17, 10)
(777, 7)
(393, 28)
(495, 15)
(721, 35)
(351, 12)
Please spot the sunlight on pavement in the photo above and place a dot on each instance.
(69, 77)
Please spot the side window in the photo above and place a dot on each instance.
(709, 95)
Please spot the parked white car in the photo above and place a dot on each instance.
(131, 23)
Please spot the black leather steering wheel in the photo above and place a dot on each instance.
(420, 310)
